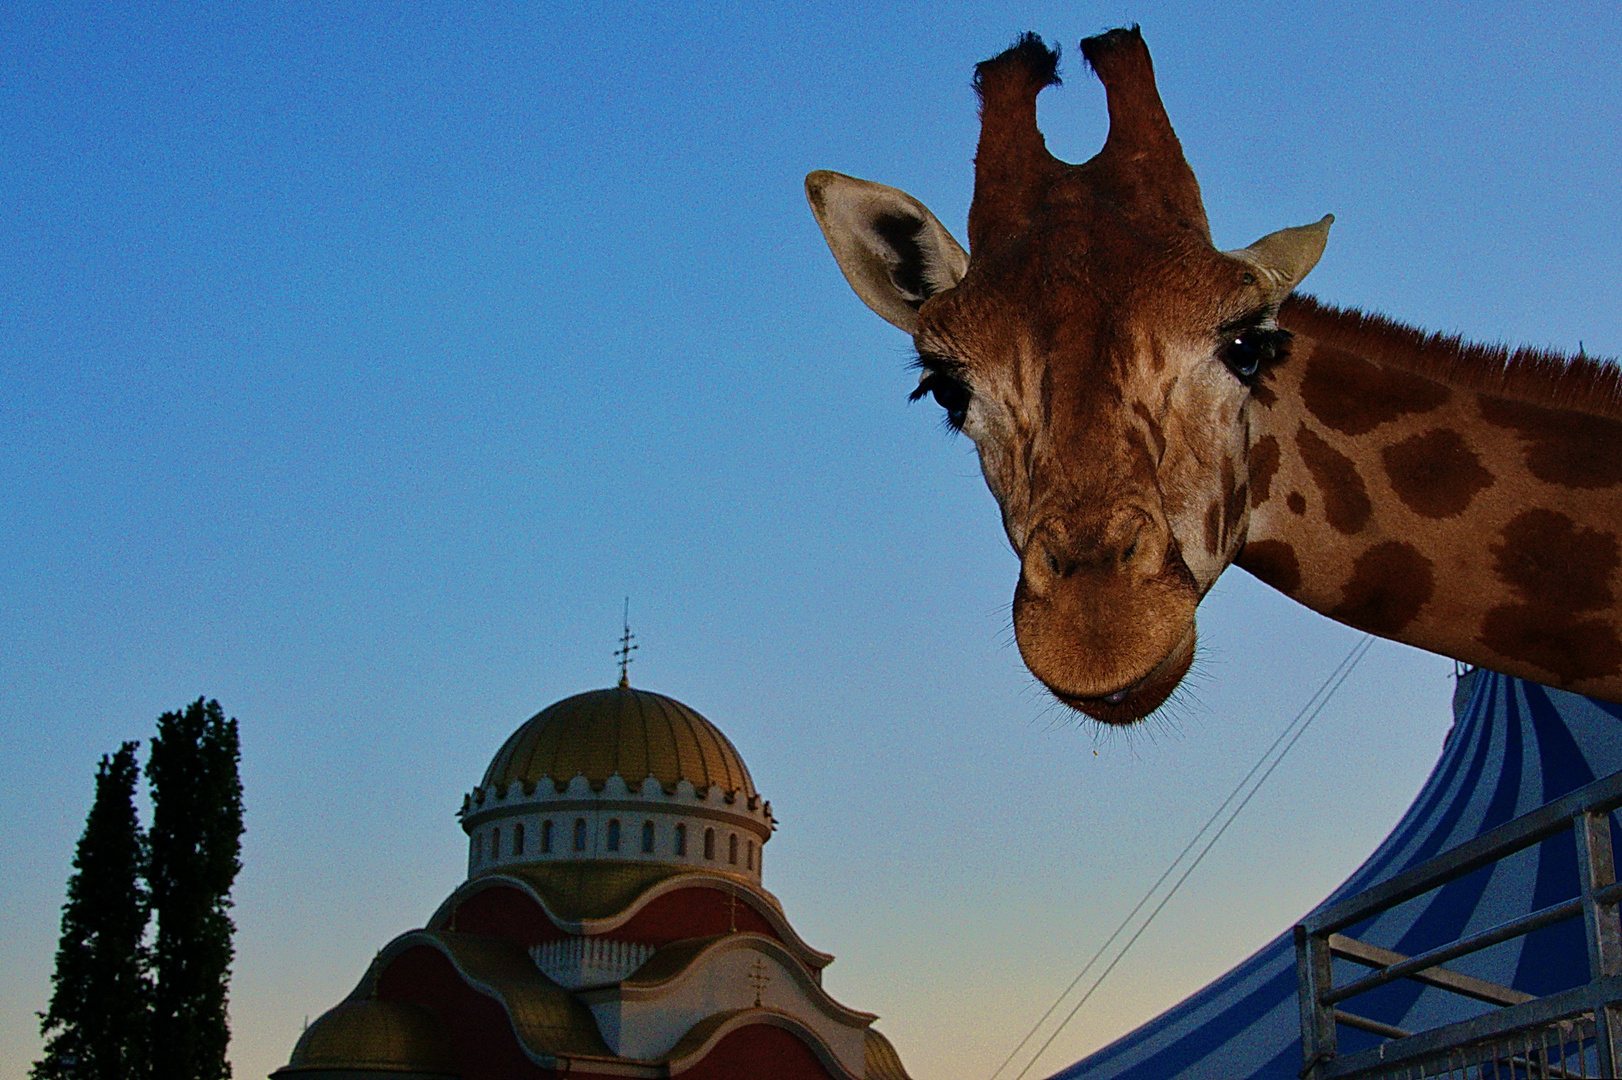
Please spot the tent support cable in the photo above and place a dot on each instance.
(1287, 738)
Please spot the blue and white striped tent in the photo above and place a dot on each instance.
(1514, 746)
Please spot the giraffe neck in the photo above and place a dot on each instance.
(1456, 498)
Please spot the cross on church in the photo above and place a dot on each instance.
(759, 978)
(626, 648)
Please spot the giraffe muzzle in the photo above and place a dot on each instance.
(1131, 704)
(1108, 633)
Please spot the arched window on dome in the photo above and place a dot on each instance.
(749, 858)
(580, 834)
(546, 837)
(518, 838)
(681, 838)
(732, 849)
(709, 844)
(613, 834)
(478, 848)
(647, 838)
(495, 843)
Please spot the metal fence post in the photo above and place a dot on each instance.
(1313, 978)
(1597, 866)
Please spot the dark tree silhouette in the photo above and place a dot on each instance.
(95, 1026)
(195, 844)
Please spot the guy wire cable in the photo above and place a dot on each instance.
(1348, 659)
(1357, 654)
(1365, 645)
(1326, 690)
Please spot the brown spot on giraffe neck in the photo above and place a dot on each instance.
(1435, 474)
(1556, 641)
(1297, 503)
(1353, 396)
(1213, 527)
(1390, 583)
(1346, 500)
(1572, 449)
(1274, 562)
(1548, 560)
(1235, 492)
(1559, 570)
(1264, 462)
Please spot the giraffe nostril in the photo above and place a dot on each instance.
(1053, 564)
(1131, 550)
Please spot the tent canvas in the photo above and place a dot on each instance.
(1514, 746)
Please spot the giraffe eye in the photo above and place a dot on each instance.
(950, 394)
(1248, 352)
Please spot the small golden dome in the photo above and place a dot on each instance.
(633, 733)
(375, 1036)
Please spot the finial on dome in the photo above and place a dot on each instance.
(626, 648)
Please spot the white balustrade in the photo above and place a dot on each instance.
(589, 961)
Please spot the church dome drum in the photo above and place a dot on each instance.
(619, 775)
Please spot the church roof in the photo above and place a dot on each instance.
(883, 1063)
(599, 898)
(676, 961)
(707, 1032)
(553, 1027)
(620, 731)
(576, 892)
(367, 1034)
(604, 893)
(546, 1019)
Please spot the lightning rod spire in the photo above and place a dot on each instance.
(626, 648)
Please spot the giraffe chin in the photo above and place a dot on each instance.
(1113, 645)
(1126, 707)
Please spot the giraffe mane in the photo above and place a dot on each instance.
(1536, 376)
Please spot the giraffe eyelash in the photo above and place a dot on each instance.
(943, 378)
(933, 362)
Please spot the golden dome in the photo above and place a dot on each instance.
(633, 733)
(378, 1036)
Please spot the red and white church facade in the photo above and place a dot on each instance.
(613, 924)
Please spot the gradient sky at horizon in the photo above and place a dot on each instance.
(356, 361)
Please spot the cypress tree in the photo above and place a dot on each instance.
(95, 1026)
(195, 844)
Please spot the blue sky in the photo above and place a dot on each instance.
(356, 361)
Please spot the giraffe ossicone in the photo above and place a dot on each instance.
(1149, 410)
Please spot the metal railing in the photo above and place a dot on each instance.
(1577, 1032)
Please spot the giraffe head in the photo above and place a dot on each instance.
(1102, 355)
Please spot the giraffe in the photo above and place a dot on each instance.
(1148, 409)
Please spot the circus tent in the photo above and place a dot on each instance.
(1514, 746)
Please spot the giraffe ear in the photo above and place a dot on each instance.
(1287, 256)
(892, 250)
